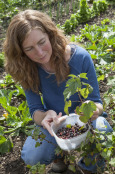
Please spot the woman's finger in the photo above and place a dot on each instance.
(94, 117)
(46, 125)
(56, 118)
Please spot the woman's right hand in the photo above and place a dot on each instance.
(51, 116)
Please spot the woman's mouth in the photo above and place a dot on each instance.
(42, 57)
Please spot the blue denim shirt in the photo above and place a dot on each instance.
(80, 62)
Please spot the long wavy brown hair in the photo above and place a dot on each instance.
(17, 64)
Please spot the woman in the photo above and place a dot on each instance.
(40, 58)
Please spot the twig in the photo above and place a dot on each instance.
(79, 169)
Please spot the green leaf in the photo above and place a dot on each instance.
(78, 110)
(111, 80)
(102, 137)
(87, 109)
(68, 125)
(81, 127)
(67, 105)
(12, 110)
(92, 139)
(83, 75)
(29, 133)
(104, 153)
(33, 169)
(109, 137)
(2, 119)
(72, 167)
(107, 100)
(109, 152)
(92, 47)
(100, 78)
(22, 106)
(5, 145)
(28, 166)
(10, 95)
(20, 90)
(87, 161)
(73, 84)
(84, 92)
(42, 136)
(67, 93)
(37, 144)
(2, 130)
(112, 162)
(58, 151)
(93, 56)
(2, 139)
(3, 102)
(107, 144)
(36, 132)
(98, 146)
(88, 87)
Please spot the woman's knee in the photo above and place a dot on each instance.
(30, 157)
(33, 157)
(102, 124)
(44, 153)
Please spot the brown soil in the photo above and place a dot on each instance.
(11, 163)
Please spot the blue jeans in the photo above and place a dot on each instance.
(45, 153)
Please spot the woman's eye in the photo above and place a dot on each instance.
(42, 42)
(29, 49)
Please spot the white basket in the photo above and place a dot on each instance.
(72, 143)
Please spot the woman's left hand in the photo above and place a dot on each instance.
(95, 113)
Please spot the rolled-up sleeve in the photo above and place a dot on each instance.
(34, 102)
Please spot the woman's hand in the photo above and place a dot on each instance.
(96, 113)
(51, 116)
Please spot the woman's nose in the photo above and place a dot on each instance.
(39, 51)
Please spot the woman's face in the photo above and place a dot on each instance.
(38, 47)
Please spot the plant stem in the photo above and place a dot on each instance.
(50, 142)
(80, 96)
(10, 131)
